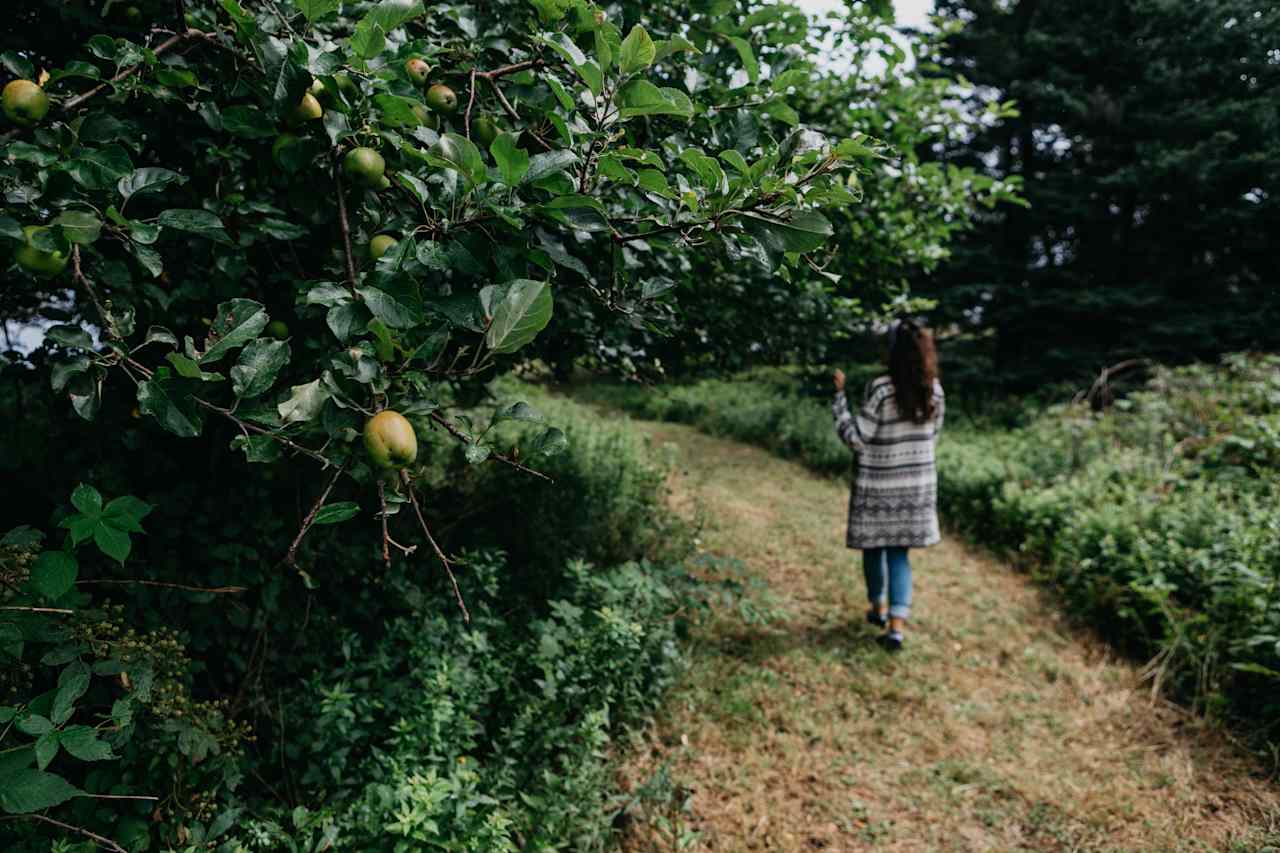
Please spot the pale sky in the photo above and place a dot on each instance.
(911, 13)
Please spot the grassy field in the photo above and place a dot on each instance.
(999, 728)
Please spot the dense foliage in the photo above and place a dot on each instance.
(238, 232)
(1147, 138)
(1157, 521)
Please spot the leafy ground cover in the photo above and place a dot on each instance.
(1156, 522)
(392, 720)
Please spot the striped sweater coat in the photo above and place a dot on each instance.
(894, 501)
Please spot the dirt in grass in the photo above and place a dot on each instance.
(999, 727)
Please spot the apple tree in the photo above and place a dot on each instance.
(313, 223)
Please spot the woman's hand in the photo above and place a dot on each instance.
(837, 379)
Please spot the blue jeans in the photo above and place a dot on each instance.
(876, 563)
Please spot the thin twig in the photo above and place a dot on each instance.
(504, 70)
(471, 100)
(39, 609)
(101, 839)
(436, 417)
(291, 557)
(346, 228)
(78, 276)
(72, 103)
(448, 567)
(249, 427)
(182, 586)
(386, 550)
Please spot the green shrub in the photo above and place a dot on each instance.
(346, 716)
(488, 736)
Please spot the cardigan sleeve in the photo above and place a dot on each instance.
(856, 431)
(941, 414)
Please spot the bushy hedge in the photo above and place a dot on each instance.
(360, 709)
(1157, 521)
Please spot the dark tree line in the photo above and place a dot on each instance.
(1149, 141)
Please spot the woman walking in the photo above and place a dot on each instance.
(894, 503)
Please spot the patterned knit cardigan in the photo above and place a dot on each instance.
(894, 501)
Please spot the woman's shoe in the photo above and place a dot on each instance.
(892, 641)
(875, 617)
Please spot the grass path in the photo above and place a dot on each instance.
(999, 728)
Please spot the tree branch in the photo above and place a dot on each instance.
(248, 427)
(386, 539)
(345, 225)
(101, 839)
(436, 417)
(448, 567)
(471, 100)
(166, 585)
(71, 104)
(504, 70)
(290, 558)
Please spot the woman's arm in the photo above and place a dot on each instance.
(855, 431)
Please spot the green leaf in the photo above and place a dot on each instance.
(148, 179)
(100, 168)
(806, 231)
(26, 791)
(69, 336)
(476, 453)
(53, 573)
(79, 226)
(673, 45)
(87, 499)
(521, 310)
(127, 512)
(11, 229)
(706, 168)
(249, 123)
(520, 411)
(61, 372)
(258, 366)
(642, 98)
(73, 681)
(782, 111)
(83, 742)
(461, 154)
(188, 369)
(638, 51)
(749, 62)
(313, 10)
(238, 322)
(735, 159)
(304, 403)
(549, 443)
(17, 65)
(549, 163)
(112, 542)
(199, 222)
(34, 724)
(169, 402)
(46, 749)
(160, 334)
(396, 310)
(513, 163)
(337, 513)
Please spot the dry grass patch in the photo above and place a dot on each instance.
(999, 728)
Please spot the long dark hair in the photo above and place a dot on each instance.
(913, 367)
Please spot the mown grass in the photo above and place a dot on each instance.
(1156, 522)
(1000, 727)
